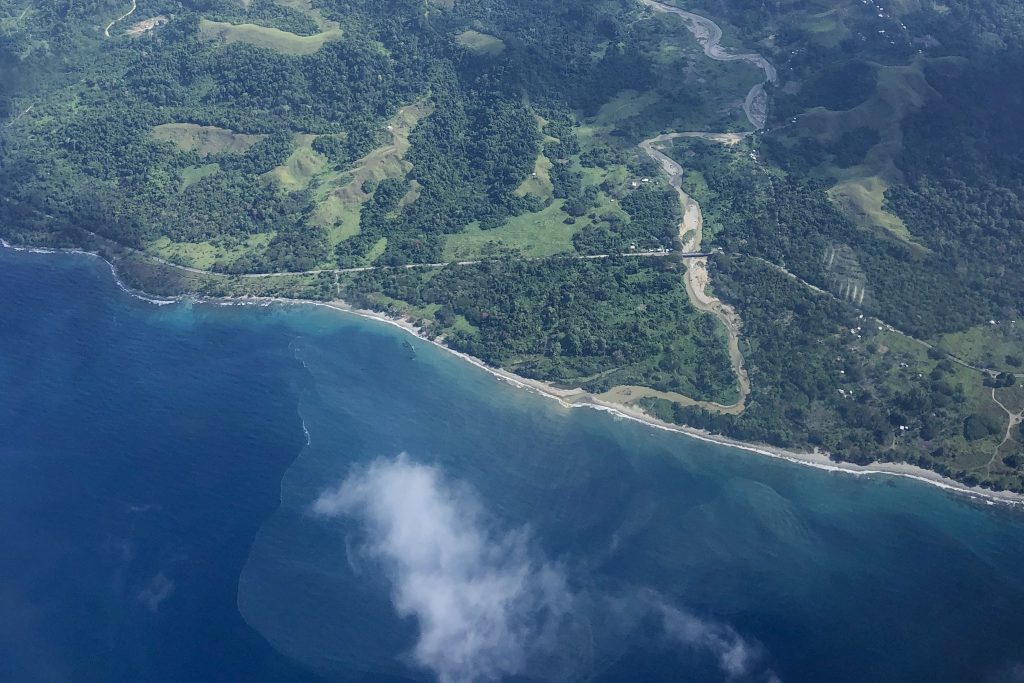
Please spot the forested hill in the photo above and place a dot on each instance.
(870, 239)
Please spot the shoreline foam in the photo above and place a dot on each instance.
(578, 398)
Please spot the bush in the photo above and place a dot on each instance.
(979, 425)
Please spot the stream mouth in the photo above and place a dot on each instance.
(691, 228)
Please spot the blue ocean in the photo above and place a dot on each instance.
(194, 492)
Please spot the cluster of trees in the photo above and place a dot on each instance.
(816, 385)
(342, 150)
(467, 158)
(570, 320)
(98, 167)
(580, 54)
(964, 190)
(654, 216)
(788, 219)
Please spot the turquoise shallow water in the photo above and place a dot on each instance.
(157, 509)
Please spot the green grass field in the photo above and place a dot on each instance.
(340, 220)
(301, 166)
(265, 37)
(193, 174)
(481, 43)
(859, 190)
(988, 345)
(204, 254)
(339, 194)
(539, 182)
(862, 199)
(205, 139)
(544, 233)
(826, 28)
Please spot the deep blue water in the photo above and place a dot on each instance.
(156, 523)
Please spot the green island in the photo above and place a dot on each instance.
(791, 224)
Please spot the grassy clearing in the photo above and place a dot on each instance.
(340, 194)
(387, 161)
(988, 345)
(205, 254)
(862, 199)
(539, 182)
(859, 190)
(825, 28)
(206, 140)
(481, 43)
(340, 220)
(301, 166)
(544, 233)
(265, 37)
(377, 250)
(626, 104)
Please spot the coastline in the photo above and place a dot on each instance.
(576, 398)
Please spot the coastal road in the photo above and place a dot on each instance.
(407, 266)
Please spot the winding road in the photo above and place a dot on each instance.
(1015, 418)
(106, 31)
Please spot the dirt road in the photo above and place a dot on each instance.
(106, 31)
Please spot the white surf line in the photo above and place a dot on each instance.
(106, 31)
(569, 398)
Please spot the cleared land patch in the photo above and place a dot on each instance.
(265, 37)
(205, 254)
(146, 25)
(859, 191)
(387, 161)
(825, 28)
(989, 346)
(206, 140)
(193, 174)
(301, 166)
(539, 182)
(863, 199)
(481, 43)
(539, 234)
(340, 193)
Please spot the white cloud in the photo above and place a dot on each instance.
(736, 658)
(483, 600)
(486, 601)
